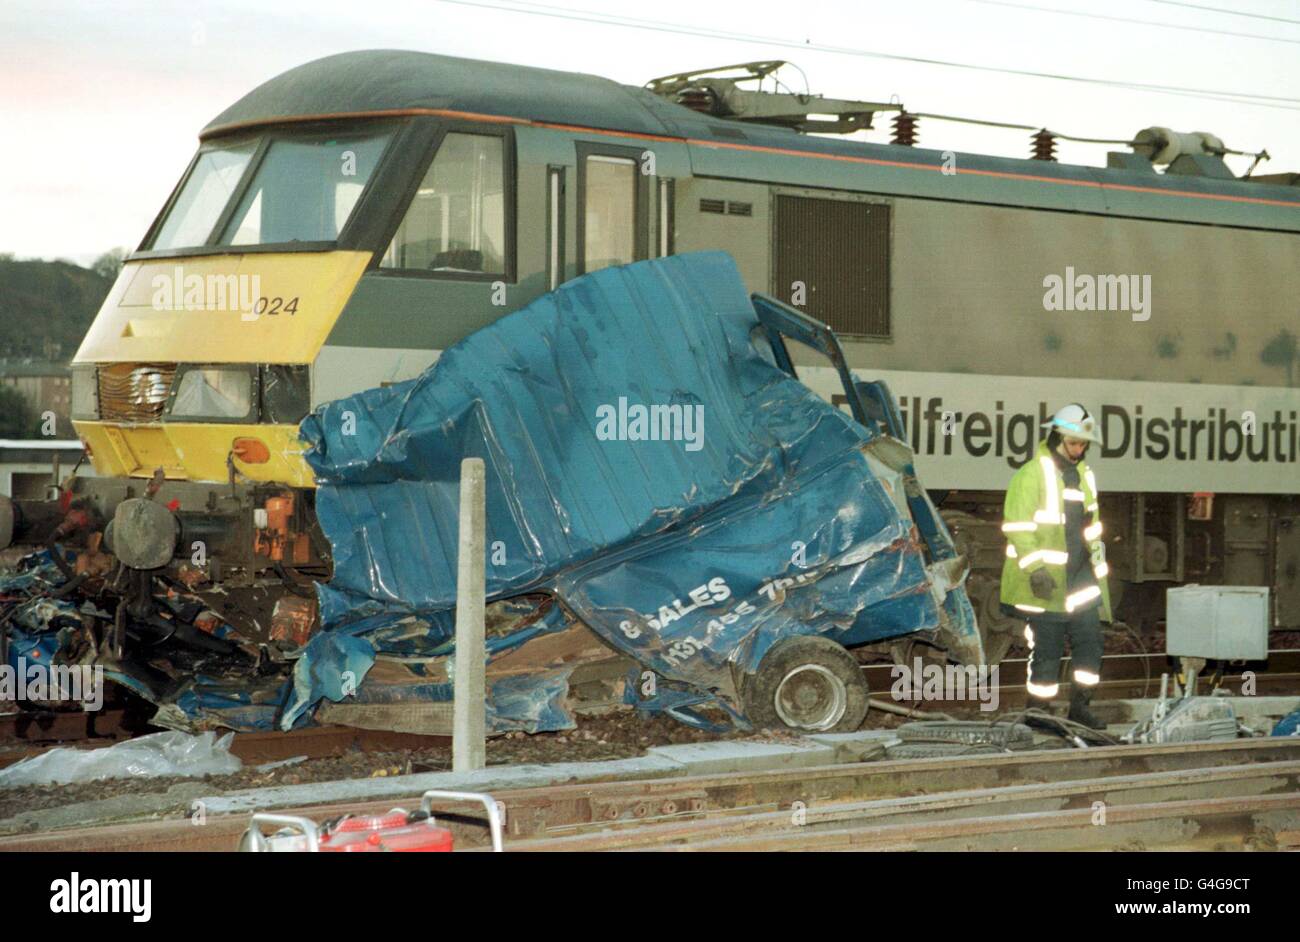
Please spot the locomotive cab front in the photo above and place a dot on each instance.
(206, 354)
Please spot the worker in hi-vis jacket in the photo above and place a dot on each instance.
(1054, 575)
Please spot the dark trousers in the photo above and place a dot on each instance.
(1047, 638)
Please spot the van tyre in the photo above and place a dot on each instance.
(807, 684)
(1000, 735)
(934, 750)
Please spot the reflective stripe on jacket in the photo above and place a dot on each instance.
(1033, 522)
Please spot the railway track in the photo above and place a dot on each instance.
(1236, 795)
(1217, 824)
(885, 819)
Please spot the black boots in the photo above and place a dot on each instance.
(1080, 697)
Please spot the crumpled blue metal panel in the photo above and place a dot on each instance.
(530, 703)
(1288, 725)
(35, 572)
(222, 703)
(857, 557)
(26, 649)
(36, 623)
(771, 513)
(334, 665)
(522, 394)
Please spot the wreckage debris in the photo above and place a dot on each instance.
(668, 505)
(157, 755)
(676, 557)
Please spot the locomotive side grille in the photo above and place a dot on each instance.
(130, 393)
(839, 251)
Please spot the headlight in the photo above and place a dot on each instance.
(85, 392)
(214, 393)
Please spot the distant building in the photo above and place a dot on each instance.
(46, 386)
(28, 468)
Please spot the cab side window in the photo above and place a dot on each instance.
(457, 220)
(612, 193)
(609, 217)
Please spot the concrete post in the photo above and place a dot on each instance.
(468, 747)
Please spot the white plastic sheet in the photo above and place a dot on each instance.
(156, 755)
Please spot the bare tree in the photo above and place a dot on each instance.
(110, 263)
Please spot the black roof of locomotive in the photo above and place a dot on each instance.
(393, 82)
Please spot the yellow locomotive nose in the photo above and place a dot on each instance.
(173, 373)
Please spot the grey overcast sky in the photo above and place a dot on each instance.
(101, 102)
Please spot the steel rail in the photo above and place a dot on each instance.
(562, 810)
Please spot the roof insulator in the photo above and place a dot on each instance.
(905, 134)
(1044, 146)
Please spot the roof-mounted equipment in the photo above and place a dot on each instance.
(1189, 153)
(710, 92)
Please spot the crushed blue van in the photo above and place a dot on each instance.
(664, 498)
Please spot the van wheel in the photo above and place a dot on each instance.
(807, 684)
(933, 750)
(1001, 735)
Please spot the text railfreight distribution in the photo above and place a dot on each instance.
(1220, 435)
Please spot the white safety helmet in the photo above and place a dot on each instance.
(1075, 421)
